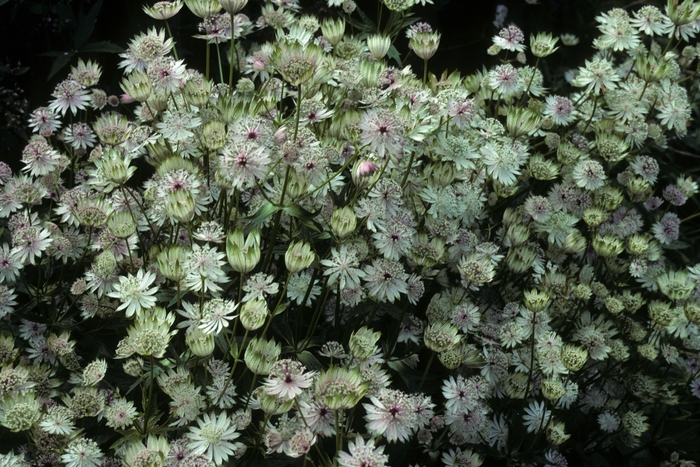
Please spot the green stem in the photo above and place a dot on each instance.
(425, 373)
(232, 56)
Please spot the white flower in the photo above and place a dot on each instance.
(212, 438)
(536, 416)
(134, 293)
(82, 452)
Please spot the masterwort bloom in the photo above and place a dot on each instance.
(213, 438)
(287, 379)
(134, 293)
(363, 454)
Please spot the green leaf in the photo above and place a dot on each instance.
(393, 53)
(86, 25)
(280, 308)
(102, 46)
(265, 211)
(309, 360)
(59, 63)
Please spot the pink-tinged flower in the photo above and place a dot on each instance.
(363, 454)
(381, 132)
(391, 415)
(44, 121)
(510, 38)
(167, 74)
(695, 387)
(559, 109)
(39, 157)
(667, 229)
(242, 166)
(287, 379)
(504, 79)
(386, 280)
(69, 95)
(29, 242)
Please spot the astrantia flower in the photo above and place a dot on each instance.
(342, 267)
(386, 279)
(287, 379)
(145, 48)
(216, 315)
(134, 293)
(79, 136)
(7, 301)
(649, 20)
(82, 452)
(390, 415)
(560, 109)
(58, 420)
(362, 454)
(536, 417)
(204, 266)
(69, 95)
(589, 174)
(44, 121)
(40, 158)
(505, 80)
(243, 164)
(382, 132)
(596, 75)
(608, 422)
(667, 229)
(213, 438)
(503, 161)
(29, 242)
(510, 38)
(167, 74)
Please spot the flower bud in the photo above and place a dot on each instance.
(203, 8)
(298, 256)
(333, 30)
(180, 206)
(200, 343)
(253, 314)
(440, 337)
(692, 311)
(343, 222)
(243, 253)
(452, 358)
(370, 72)
(573, 357)
(608, 246)
(261, 354)
(556, 434)
(378, 45)
(552, 389)
(115, 167)
(214, 135)
(364, 173)
(543, 44)
(121, 224)
(516, 385)
(233, 6)
(574, 243)
(536, 301)
(171, 261)
(424, 44)
(197, 92)
(138, 86)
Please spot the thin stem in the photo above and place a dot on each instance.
(425, 373)
(232, 55)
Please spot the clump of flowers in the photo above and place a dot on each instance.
(320, 255)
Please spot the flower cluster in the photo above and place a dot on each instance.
(322, 255)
